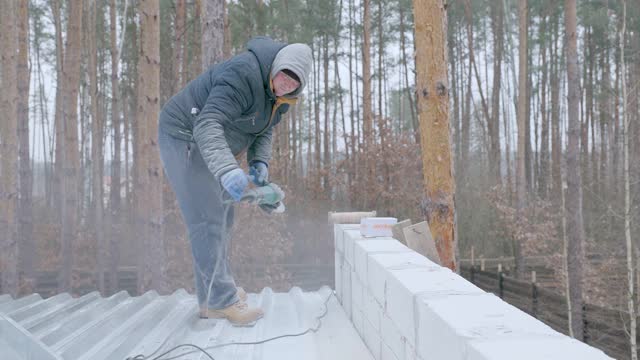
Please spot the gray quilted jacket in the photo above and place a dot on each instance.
(229, 108)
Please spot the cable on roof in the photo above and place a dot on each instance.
(204, 350)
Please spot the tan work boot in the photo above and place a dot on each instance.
(239, 314)
(242, 295)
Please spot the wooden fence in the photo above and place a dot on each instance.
(603, 328)
(309, 277)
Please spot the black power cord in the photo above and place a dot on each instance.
(204, 350)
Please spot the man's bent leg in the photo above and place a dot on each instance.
(200, 198)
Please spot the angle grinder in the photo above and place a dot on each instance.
(269, 197)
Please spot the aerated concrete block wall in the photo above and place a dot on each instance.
(406, 307)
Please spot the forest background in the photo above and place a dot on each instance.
(92, 201)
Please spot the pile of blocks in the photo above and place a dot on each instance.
(405, 307)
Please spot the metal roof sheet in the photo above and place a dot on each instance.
(120, 326)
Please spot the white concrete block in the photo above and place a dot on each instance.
(357, 290)
(338, 234)
(393, 338)
(447, 324)
(357, 318)
(410, 352)
(372, 310)
(364, 248)
(379, 264)
(533, 348)
(350, 237)
(338, 237)
(346, 288)
(403, 286)
(338, 259)
(372, 339)
(387, 354)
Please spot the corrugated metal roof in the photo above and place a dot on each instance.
(119, 326)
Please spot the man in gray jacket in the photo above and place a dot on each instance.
(230, 108)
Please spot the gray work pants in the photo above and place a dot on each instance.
(200, 197)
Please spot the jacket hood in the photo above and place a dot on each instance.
(297, 58)
(265, 49)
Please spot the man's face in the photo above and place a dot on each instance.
(283, 84)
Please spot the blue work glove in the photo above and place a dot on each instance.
(235, 182)
(259, 173)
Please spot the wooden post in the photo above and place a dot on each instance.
(500, 282)
(534, 295)
(473, 274)
(473, 257)
(432, 89)
(585, 324)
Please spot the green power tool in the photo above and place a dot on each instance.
(268, 197)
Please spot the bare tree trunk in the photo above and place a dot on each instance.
(366, 80)
(352, 111)
(131, 137)
(327, 154)
(494, 121)
(84, 172)
(605, 114)
(565, 256)
(433, 111)
(455, 93)
(634, 126)
(340, 96)
(150, 204)
(584, 125)
(521, 176)
(179, 43)
(556, 141)
(615, 133)
(46, 137)
(412, 107)
(71, 155)
(543, 179)
(116, 164)
(197, 62)
(96, 148)
(58, 121)
(575, 226)
(316, 113)
(483, 101)
(309, 133)
(189, 34)
(227, 31)
(212, 33)
(507, 137)
(359, 122)
(27, 244)
(9, 150)
(466, 117)
(381, 116)
(627, 195)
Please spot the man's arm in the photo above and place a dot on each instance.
(260, 149)
(230, 95)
